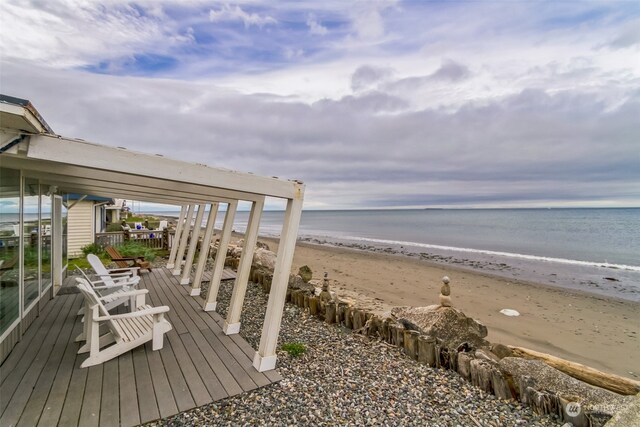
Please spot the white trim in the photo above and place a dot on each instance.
(221, 255)
(264, 363)
(280, 281)
(193, 244)
(28, 309)
(10, 329)
(177, 267)
(204, 249)
(231, 329)
(244, 267)
(176, 238)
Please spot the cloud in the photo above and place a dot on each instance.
(396, 104)
(235, 13)
(367, 76)
(364, 150)
(315, 27)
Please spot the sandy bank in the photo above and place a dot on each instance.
(596, 331)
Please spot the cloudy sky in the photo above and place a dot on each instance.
(370, 103)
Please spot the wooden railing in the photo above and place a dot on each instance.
(155, 239)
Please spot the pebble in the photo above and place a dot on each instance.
(345, 379)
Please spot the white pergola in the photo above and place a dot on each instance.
(77, 166)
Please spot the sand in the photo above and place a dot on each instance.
(592, 330)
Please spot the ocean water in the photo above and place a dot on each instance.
(592, 250)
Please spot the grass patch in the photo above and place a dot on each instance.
(294, 349)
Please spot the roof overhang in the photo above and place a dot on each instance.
(82, 167)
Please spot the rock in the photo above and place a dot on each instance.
(596, 403)
(296, 282)
(262, 245)
(510, 312)
(501, 351)
(306, 273)
(445, 301)
(325, 296)
(445, 323)
(265, 259)
(445, 293)
(486, 354)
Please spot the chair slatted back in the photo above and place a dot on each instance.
(90, 295)
(100, 270)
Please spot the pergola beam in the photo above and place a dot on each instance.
(214, 285)
(119, 160)
(204, 249)
(232, 323)
(265, 357)
(184, 236)
(193, 244)
(176, 238)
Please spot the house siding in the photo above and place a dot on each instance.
(80, 227)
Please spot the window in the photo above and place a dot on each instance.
(31, 240)
(9, 247)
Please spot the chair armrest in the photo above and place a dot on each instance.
(116, 283)
(124, 270)
(140, 313)
(123, 258)
(111, 287)
(125, 294)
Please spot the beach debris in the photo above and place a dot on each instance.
(510, 312)
(611, 279)
(445, 293)
(306, 273)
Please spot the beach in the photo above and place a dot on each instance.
(590, 329)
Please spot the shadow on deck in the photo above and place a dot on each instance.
(41, 382)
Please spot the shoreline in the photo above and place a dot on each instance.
(595, 330)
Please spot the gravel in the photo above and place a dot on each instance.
(346, 379)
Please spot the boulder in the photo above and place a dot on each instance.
(448, 324)
(265, 259)
(536, 381)
(306, 273)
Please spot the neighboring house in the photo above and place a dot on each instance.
(86, 216)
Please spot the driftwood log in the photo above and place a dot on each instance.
(611, 382)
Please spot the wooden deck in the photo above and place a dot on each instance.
(41, 382)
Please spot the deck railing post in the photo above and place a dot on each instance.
(184, 236)
(176, 237)
(204, 249)
(265, 357)
(232, 323)
(214, 285)
(193, 245)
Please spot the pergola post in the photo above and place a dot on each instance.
(176, 238)
(193, 245)
(232, 323)
(184, 236)
(265, 357)
(212, 295)
(204, 249)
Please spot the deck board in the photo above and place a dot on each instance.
(43, 384)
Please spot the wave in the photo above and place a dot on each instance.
(488, 252)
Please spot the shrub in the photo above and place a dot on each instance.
(114, 227)
(134, 249)
(92, 248)
(294, 349)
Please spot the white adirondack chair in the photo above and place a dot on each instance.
(125, 331)
(163, 224)
(110, 295)
(108, 275)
